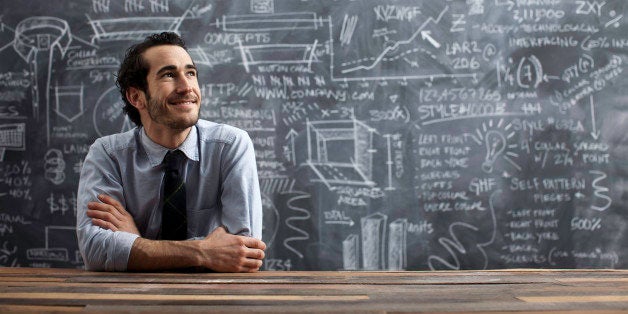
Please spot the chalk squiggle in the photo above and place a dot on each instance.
(289, 222)
(454, 243)
(599, 191)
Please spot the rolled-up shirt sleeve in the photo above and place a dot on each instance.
(102, 249)
(241, 198)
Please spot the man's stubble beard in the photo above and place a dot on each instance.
(158, 114)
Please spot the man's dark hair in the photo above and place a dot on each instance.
(134, 69)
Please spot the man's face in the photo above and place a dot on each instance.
(173, 97)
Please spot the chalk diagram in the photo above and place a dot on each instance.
(296, 203)
(270, 224)
(494, 138)
(41, 41)
(12, 137)
(56, 253)
(299, 53)
(69, 102)
(397, 53)
(340, 152)
(460, 242)
(109, 118)
(600, 200)
(380, 245)
(138, 27)
(54, 166)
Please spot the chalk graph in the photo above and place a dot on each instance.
(395, 51)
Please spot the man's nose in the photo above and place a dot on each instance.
(184, 85)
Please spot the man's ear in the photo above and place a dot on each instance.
(136, 97)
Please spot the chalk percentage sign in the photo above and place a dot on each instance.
(614, 19)
(597, 224)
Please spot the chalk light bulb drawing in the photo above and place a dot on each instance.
(495, 144)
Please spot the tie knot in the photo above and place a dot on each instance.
(173, 159)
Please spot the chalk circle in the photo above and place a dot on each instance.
(109, 118)
(270, 224)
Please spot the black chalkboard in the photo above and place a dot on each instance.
(460, 134)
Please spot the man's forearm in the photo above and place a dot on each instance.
(152, 255)
(219, 251)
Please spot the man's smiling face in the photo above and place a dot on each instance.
(173, 97)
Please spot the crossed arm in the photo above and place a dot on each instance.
(219, 251)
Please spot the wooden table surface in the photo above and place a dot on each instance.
(68, 290)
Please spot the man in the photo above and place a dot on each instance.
(125, 213)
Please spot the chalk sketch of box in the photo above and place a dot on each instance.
(374, 241)
(12, 137)
(340, 152)
(56, 238)
(397, 257)
(351, 252)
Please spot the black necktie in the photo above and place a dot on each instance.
(174, 224)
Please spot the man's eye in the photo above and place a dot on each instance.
(192, 73)
(168, 75)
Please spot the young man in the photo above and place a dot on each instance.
(126, 209)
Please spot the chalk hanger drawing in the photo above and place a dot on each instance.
(274, 53)
(134, 28)
(138, 27)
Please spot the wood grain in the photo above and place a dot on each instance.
(506, 291)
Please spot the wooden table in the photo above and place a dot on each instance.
(68, 290)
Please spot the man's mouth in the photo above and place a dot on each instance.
(185, 101)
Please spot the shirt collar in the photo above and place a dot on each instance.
(27, 42)
(156, 152)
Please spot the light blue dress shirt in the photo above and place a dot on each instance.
(222, 188)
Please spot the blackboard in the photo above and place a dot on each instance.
(389, 135)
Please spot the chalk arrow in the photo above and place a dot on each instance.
(508, 3)
(546, 77)
(594, 133)
(340, 222)
(426, 36)
(291, 135)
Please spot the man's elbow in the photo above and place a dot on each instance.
(91, 265)
(95, 254)
(91, 261)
